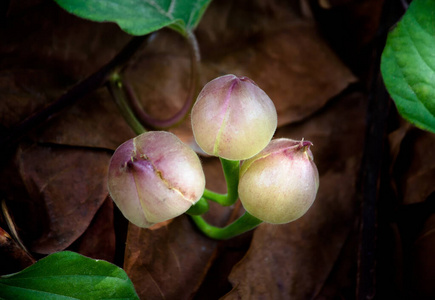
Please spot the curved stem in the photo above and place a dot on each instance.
(145, 118)
(243, 224)
(199, 208)
(115, 87)
(231, 173)
(213, 196)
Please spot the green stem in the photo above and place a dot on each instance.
(231, 173)
(199, 208)
(213, 196)
(243, 224)
(116, 89)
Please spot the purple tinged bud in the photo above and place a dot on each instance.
(233, 118)
(280, 183)
(155, 177)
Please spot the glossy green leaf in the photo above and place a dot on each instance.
(140, 17)
(408, 64)
(68, 275)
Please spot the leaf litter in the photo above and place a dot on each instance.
(268, 41)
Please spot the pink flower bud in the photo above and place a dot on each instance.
(155, 177)
(280, 183)
(233, 118)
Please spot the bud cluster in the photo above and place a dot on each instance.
(155, 177)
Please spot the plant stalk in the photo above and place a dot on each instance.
(231, 173)
(243, 224)
(116, 90)
(199, 208)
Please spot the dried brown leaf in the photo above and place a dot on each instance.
(280, 51)
(168, 262)
(98, 241)
(68, 185)
(24, 91)
(44, 52)
(423, 262)
(414, 168)
(351, 28)
(94, 122)
(282, 63)
(43, 36)
(266, 40)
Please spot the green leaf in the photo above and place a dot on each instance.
(408, 64)
(140, 17)
(68, 275)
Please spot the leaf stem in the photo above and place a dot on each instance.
(243, 224)
(213, 196)
(231, 173)
(116, 90)
(199, 208)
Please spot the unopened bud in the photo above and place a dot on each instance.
(233, 118)
(155, 177)
(280, 183)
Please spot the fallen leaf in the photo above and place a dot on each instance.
(351, 28)
(40, 35)
(93, 122)
(68, 185)
(278, 49)
(423, 262)
(168, 262)
(413, 172)
(337, 132)
(42, 56)
(341, 281)
(23, 92)
(65, 173)
(277, 64)
(98, 241)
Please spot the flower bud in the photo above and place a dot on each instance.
(233, 118)
(280, 183)
(155, 177)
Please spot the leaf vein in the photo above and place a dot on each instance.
(418, 51)
(156, 6)
(171, 7)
